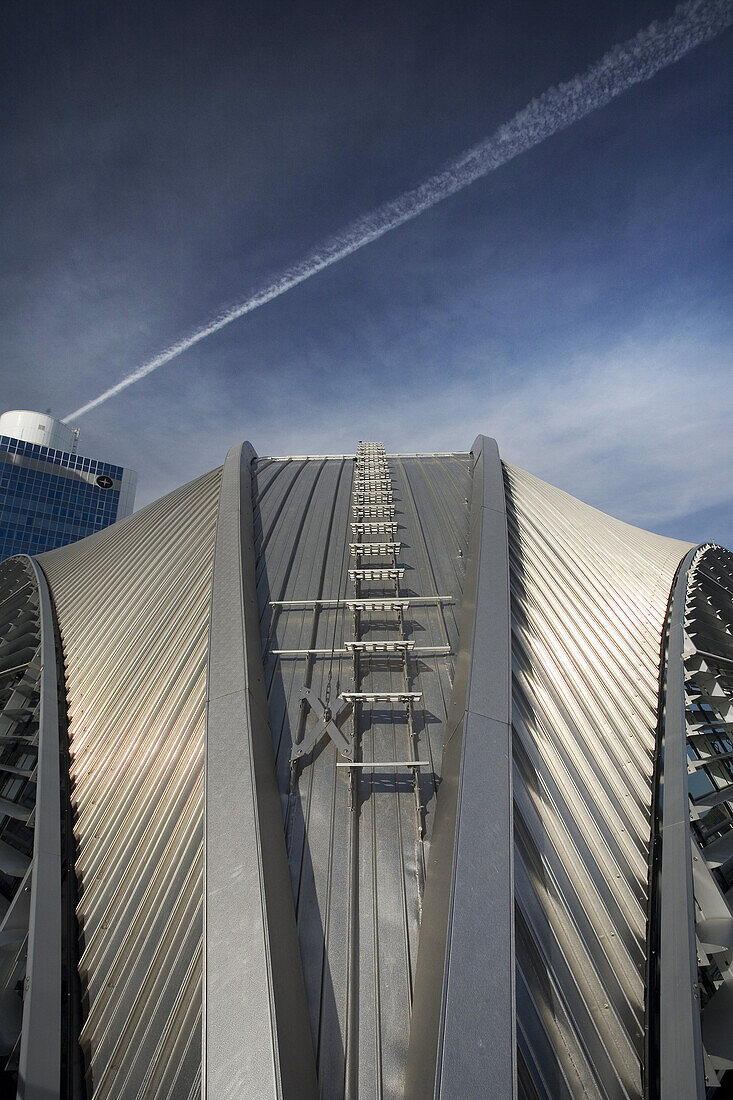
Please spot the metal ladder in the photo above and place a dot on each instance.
(374, 574)
(374, 530)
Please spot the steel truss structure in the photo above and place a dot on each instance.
(367, 775)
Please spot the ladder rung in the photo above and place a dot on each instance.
(358, 548)
(347, 651)
(308, 652)
(382, 763)
(374, 528)
(383, 603)
(380, 647)
(377, 605)
(376, 574)
(337, 652)
(381, 696)
(386, 603)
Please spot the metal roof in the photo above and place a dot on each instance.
(378, 783)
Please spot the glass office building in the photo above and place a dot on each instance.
(49, 495)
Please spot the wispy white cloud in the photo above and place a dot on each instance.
(640, 430)
(627, 64)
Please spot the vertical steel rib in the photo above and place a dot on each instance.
(692, 1002)
(463, 1017)
(257, 1038)
(40, 1049)
(681, 1069)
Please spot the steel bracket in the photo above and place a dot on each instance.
(328, 723)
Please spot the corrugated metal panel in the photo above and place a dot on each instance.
(589, 599)
(358, 923)
(133, 609)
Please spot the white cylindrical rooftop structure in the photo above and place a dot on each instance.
(34, 427)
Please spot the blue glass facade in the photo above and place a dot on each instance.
(49, 498)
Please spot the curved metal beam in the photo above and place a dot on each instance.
(681, 1067)
(39, 1073)
(256, 1032)
(463, 1031)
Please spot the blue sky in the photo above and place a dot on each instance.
(166, 159)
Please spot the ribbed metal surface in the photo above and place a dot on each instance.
(358, 892)
(589, 598)
(133, 607)
(360, 571)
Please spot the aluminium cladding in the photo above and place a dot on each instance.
(369, 792)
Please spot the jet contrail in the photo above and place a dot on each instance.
(632, 62)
